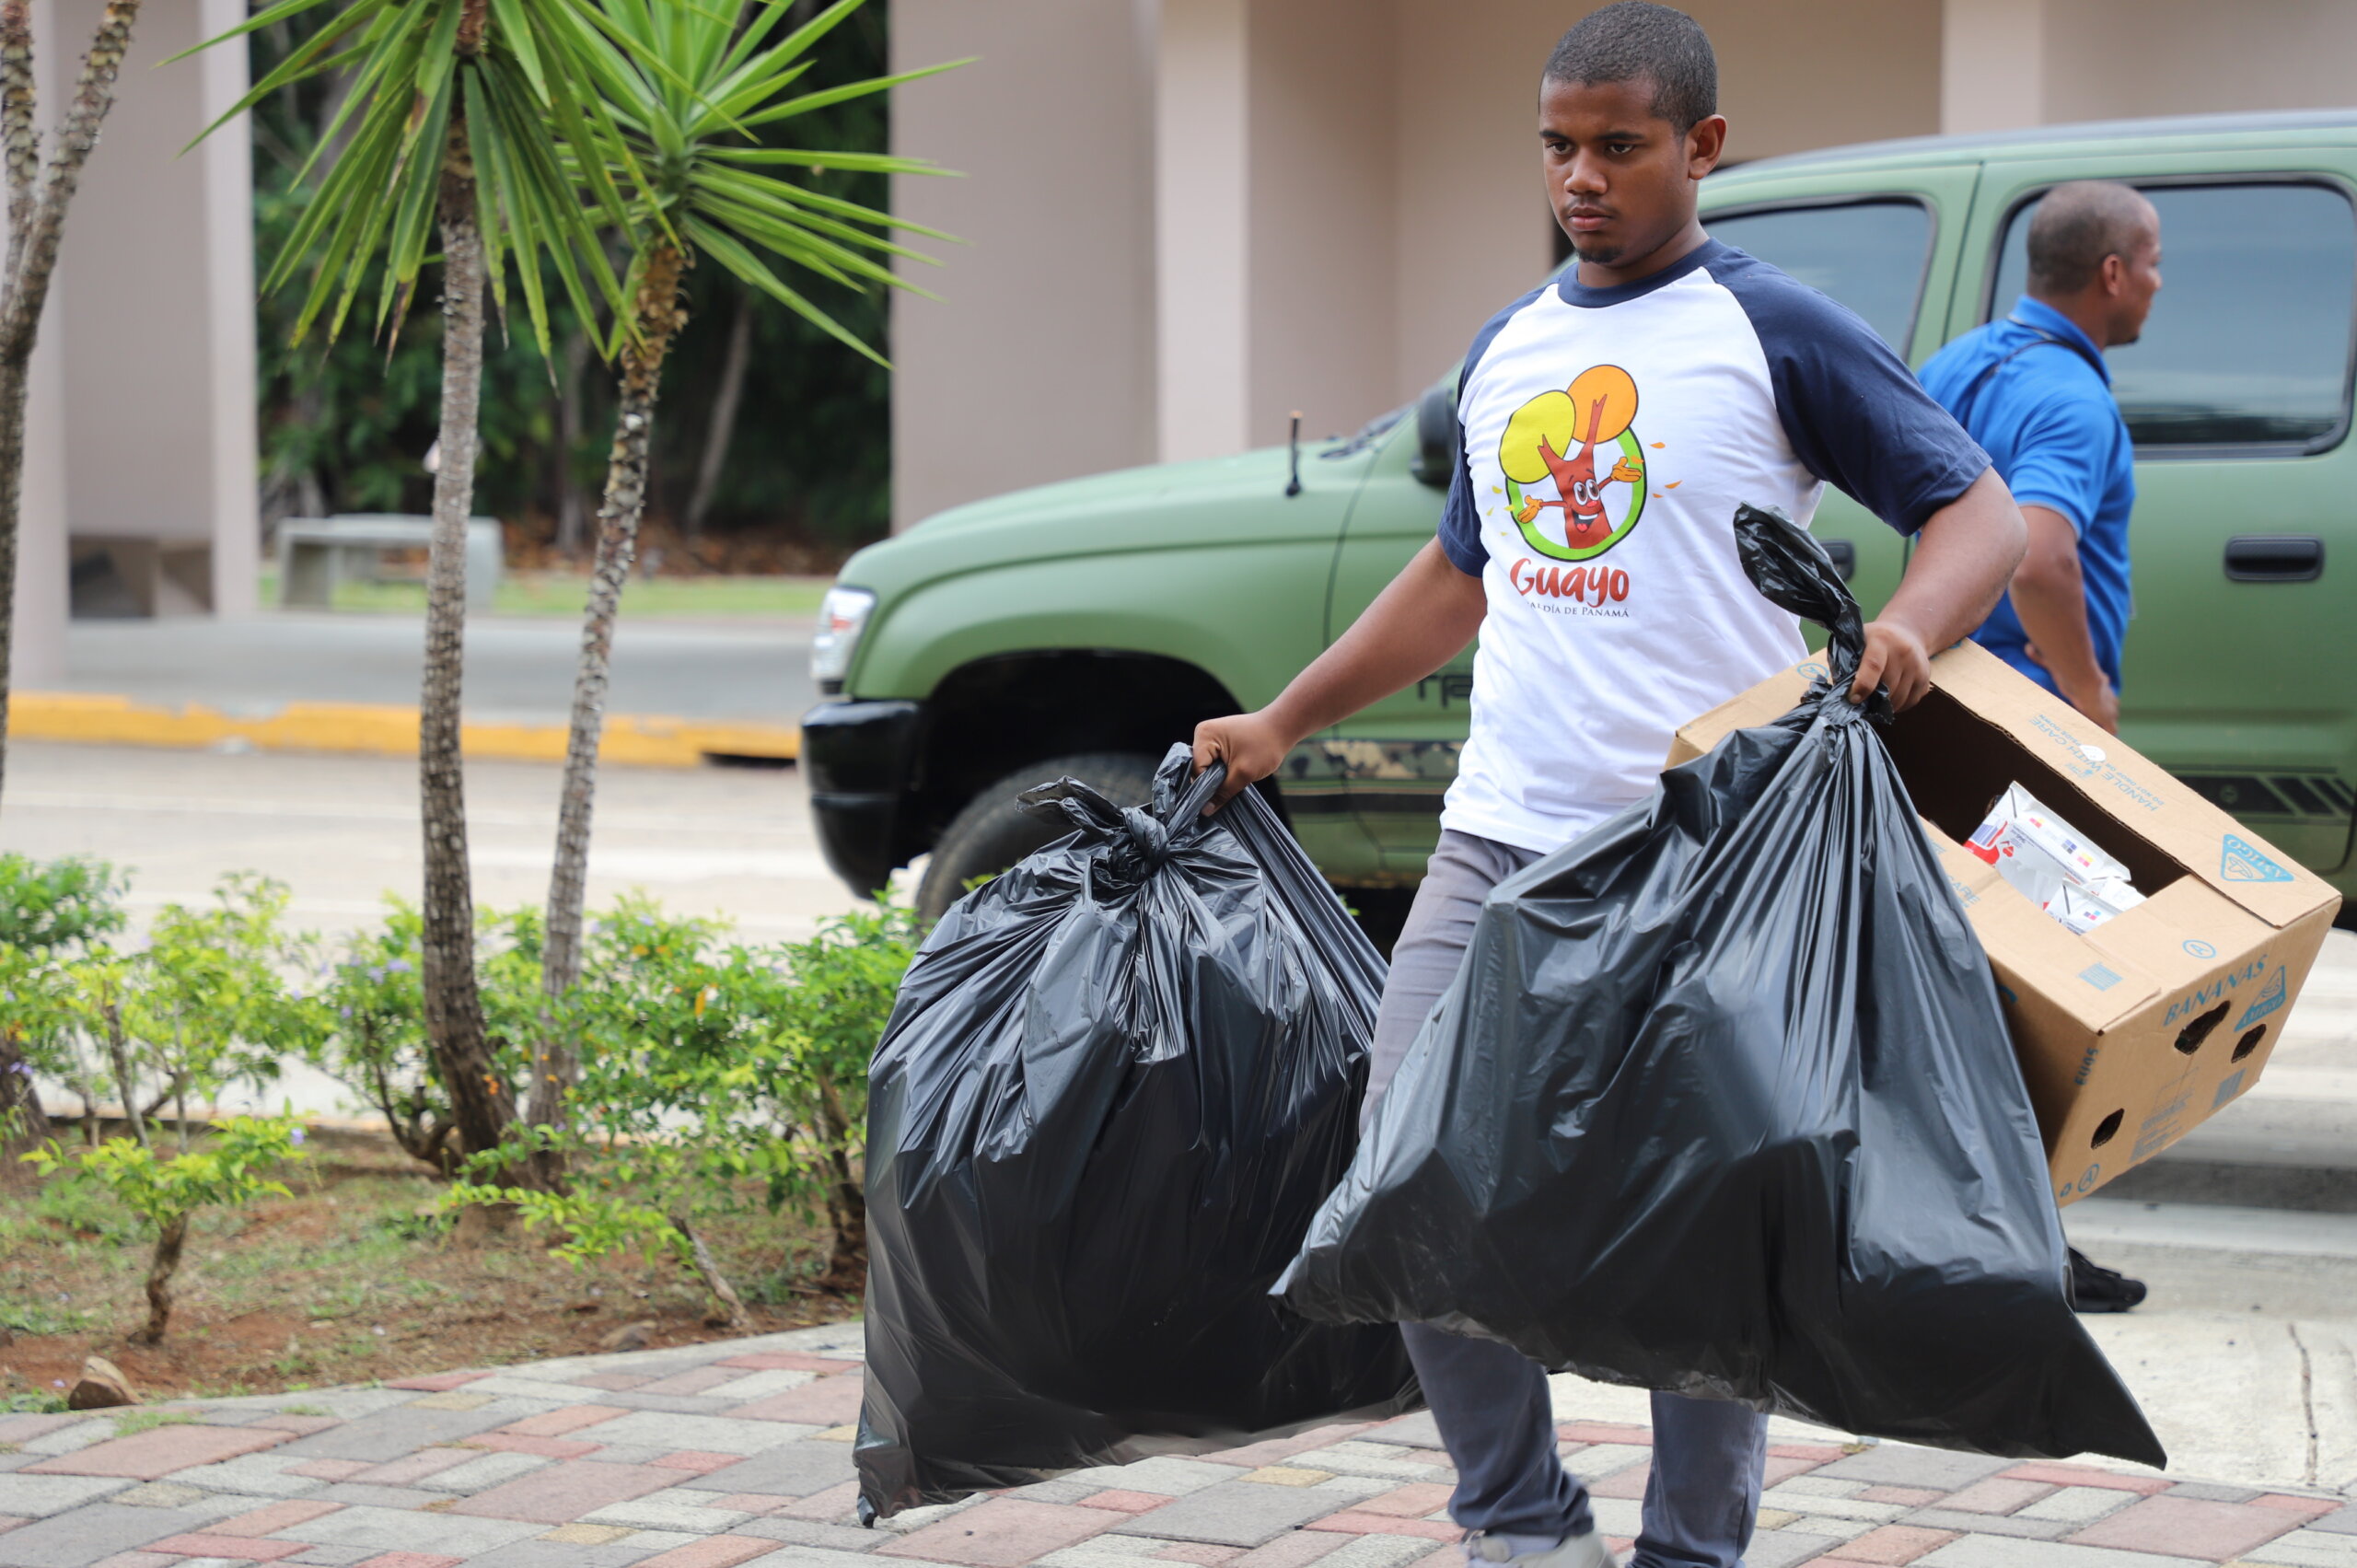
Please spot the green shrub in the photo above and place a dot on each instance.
(707, 1069)
(365, 1024)
(229, 1168)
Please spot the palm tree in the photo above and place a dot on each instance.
(36, 225)
(478, 122)
(688, 85)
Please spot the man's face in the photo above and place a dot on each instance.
(1621, 178)
(2140, 279)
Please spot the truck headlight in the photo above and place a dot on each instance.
(842, 614)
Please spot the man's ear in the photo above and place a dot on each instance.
(2113, 274)
(1705, 143)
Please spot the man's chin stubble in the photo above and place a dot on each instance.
(1603, 258)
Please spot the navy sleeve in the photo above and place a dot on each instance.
(1852, 409)
(1460, 525)
(1460, 519)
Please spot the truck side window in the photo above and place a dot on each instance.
(1869, 255)
(2248, 342)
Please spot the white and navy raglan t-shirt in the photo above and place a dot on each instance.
(1609, 436)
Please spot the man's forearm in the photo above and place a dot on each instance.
(2051, 600)
(1963, 558)
(1418, 623)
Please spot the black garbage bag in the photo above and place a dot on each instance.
(1119, 1081)
(1721, 1104)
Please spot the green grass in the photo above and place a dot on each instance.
(560, 594)
(148, 1420)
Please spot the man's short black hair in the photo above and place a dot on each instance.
(1638, 40)
(2075, 226)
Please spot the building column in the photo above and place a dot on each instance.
(160, 387)
(1202, 139)
(229, 165)
(1992, 64)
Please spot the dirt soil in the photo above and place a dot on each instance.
(350, 1280)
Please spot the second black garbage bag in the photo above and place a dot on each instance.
(1722, 1103)
(1119, 1081)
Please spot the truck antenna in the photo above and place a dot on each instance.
(1293, 458)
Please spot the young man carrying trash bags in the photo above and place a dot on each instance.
(1614, 424)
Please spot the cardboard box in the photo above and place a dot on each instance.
(2134, 1033)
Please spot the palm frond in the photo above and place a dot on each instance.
(550, 163)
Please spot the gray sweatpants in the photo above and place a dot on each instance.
(1490, 1401)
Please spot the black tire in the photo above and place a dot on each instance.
(992, 832)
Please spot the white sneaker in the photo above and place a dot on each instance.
(1571, 1551)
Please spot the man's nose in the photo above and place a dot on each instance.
(1585, 174)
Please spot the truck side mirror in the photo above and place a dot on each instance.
(1438, 440)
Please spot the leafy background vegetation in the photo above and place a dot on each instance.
(807, 473)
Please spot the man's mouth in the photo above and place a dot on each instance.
(1586, 219)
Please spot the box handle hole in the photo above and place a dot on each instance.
(2190, 1039)
(2249, 1042)
(2107, 1129)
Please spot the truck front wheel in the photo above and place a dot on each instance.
(992, 832)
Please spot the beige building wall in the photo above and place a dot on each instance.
(140, 421)
(2017, 63)
(1038, 361)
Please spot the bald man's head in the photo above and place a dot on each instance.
(2094, 253)
(2077, 226)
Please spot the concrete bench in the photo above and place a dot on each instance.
(316, 553)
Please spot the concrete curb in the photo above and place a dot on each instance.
(382, 729)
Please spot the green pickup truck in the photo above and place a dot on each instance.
(1081, 628)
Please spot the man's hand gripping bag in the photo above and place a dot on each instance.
(1721, 1104)
(1119, 1081)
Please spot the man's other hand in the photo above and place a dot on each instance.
(2095, 698)
(1895, 658)
(1248, 743)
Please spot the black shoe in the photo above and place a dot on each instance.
(2095, 1288)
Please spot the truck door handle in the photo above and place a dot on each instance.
(2274, 558)
(1845, 556)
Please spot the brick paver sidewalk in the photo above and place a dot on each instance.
(740, 1453)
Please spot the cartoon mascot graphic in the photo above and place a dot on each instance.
(1553, 439)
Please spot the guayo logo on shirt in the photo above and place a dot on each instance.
(1551, 443)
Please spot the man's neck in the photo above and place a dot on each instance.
(2086, 314)
(1668, 253)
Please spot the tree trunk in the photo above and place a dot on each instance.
(481, 1101)
(160, 1269)
(732, 1306)
(725, 403)
(659, 318)
(24, 1122)
(35, 226)
(846, 1200)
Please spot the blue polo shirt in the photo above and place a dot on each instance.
(2035, 393)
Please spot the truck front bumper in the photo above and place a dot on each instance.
(861, 758)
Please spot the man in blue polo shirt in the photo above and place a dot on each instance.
(2034, 391)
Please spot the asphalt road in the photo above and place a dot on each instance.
(517, 670)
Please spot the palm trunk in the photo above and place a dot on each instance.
(725, 403)
(169, 1239)
(480, 1100)
(659, 318)
(35, 226)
